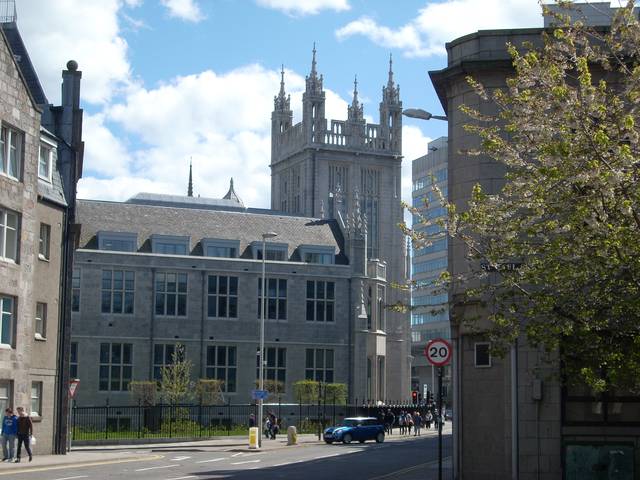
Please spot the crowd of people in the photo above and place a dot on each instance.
(16, 427)
(409, 422)
(271, 425)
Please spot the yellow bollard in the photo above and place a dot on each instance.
(253, 437)
(292, 435)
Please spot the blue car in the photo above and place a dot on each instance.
(357, 428)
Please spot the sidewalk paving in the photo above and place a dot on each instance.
(95, 455)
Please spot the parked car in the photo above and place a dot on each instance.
(356, 428)
(448, 414)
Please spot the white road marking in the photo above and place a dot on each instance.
(71, 478)
(247, 461)
(155, 468)
(182, 478)
(237, 454)
(178, 459)
(328, 456)
(212, 460)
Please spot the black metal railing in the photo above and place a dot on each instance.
(112, 423)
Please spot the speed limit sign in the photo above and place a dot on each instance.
(438, 352)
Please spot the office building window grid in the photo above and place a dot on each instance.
(116, 366)
(171, 294)
(75, 290)
(275, 367)
(221, 365)
(276, 299)
(320, 301)
(73, 361)
(163, 356)
(118, 291)
(222, 296)
(319, 364)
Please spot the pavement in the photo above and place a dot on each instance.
(89, 456)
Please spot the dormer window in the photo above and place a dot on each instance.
(275, 251)
(45, 161)
(170, 245)
(118, 241)
(317, 254)
(213, 247)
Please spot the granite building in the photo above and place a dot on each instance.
(319, 167)
(40, 162)
(158, 270)
(512, 420)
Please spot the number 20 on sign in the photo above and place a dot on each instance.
(438, 352)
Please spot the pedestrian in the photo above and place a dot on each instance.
(409, 423)
(401, 420)
(429, 419)
(267, 427)
(25, 431)
(9, 433)
(252, 420)
(417, 423)
(273, 425)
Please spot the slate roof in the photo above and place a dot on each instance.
(248, 227)
(180, 201)
(21, 56)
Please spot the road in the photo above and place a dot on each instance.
(407, 459)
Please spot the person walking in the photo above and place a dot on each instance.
(417, 424)
(25, 431)
(429, 419)
(9, 433)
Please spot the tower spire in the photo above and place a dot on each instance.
(314, 83)
(282, 101)
(313, 61)
(355, 91)
(190, 187)
(355, 111)
(390, 81)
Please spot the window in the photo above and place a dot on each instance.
(320, 301)
(117, 291)
(5, 394)
(45, 238)
(7, 314)
(220, 248)
(170, 245)
(222, 296)
(41, 320)
(9, 235)
(382, 310)
(171, 294)
(319, 365)
(275, 366)
(163, 354)
(317, 254)
(75, 290)
(482, 355)
(275, 251)
(10, 151)
(45, 162)
(118, 241)
(73, 361)
(276, 299)
(116, 365)
(36, 399)
(221, 365)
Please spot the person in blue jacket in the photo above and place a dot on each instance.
(9, 434)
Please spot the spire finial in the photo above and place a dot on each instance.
(190, 187)
(313, 61)
(390, 82)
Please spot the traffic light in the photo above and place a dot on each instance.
(414, 397)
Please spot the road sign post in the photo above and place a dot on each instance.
(438, 353)
(73, 387)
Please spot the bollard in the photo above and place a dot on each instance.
(253, 438)
(292, 435)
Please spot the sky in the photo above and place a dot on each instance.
(169, 81)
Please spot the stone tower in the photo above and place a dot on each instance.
(348, 170)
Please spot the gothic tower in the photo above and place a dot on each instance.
(350, 170)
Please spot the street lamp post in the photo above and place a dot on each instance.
(422, 114)
(262, 317)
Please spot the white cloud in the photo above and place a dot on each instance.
(305, 7)
(414, 145)
(101, 55)
(187, 10)
(106, 154)
(442, 22)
